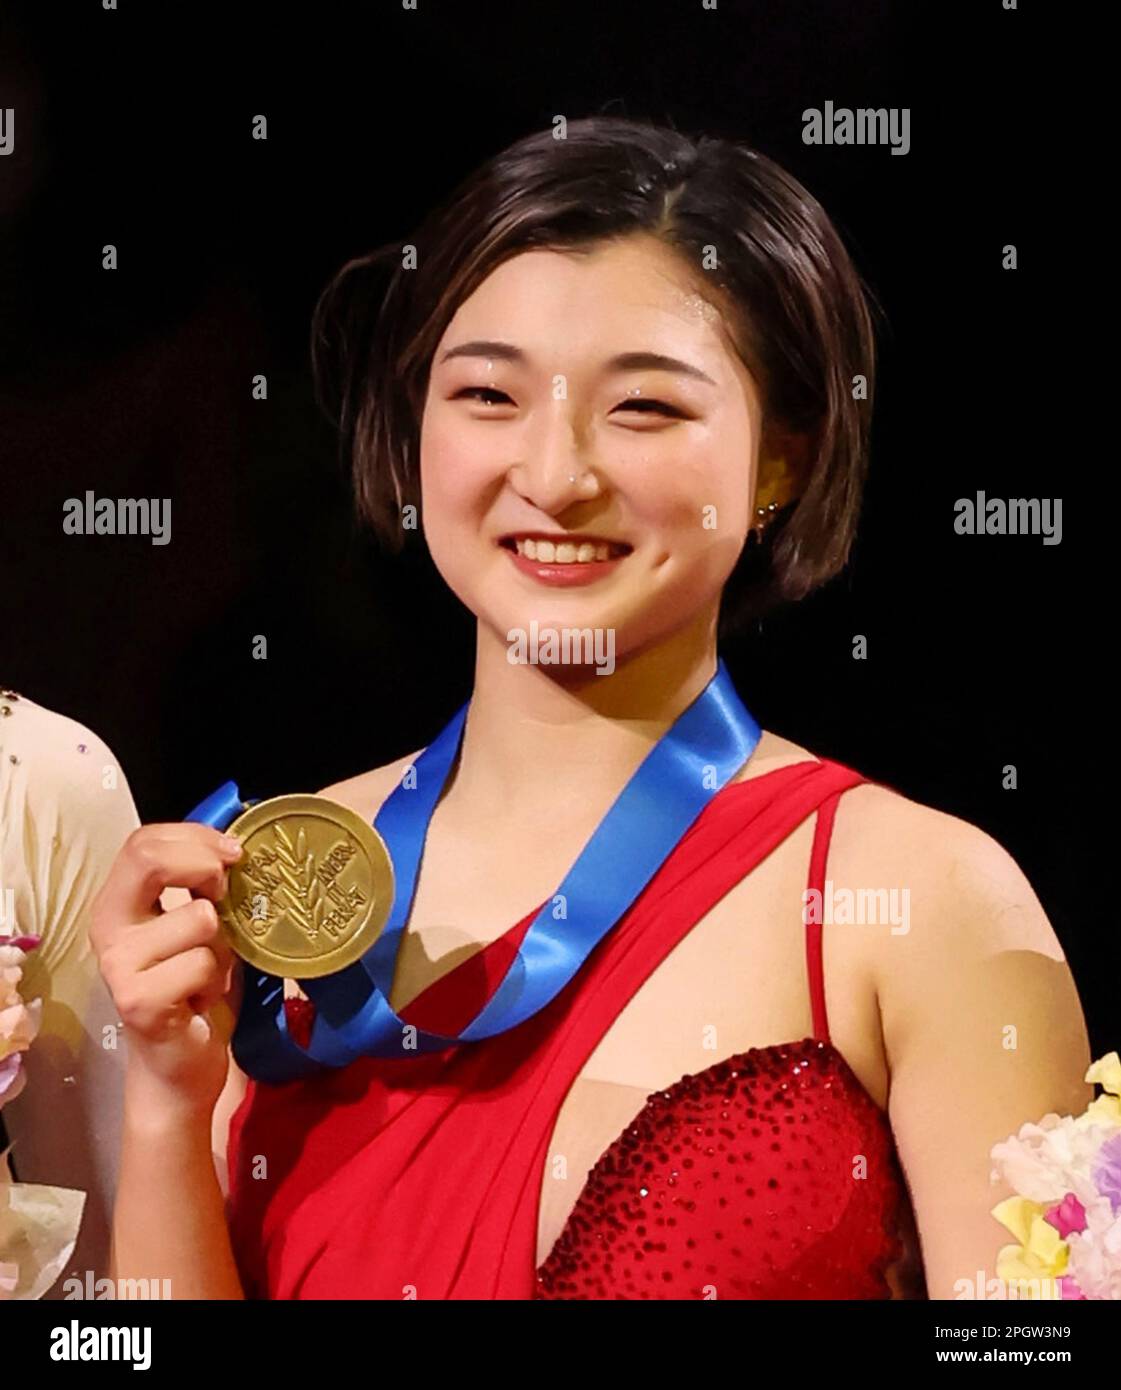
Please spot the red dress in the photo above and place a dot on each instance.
(771, 1174)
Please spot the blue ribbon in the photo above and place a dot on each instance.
(704, 748)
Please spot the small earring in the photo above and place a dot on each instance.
(765, 515)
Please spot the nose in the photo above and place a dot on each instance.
(558, 469)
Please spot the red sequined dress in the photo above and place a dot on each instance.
(422, 1177)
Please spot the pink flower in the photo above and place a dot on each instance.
(1069, 1215)
(21, 943)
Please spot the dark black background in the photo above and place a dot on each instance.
(133, 128)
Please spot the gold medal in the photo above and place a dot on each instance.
(312, 890)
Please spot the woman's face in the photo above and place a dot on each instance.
(547, 374)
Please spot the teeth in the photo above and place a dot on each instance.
(566, 553)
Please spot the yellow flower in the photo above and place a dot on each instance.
(1106, 1073)
(1041, 1252)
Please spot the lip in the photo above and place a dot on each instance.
(564, 576)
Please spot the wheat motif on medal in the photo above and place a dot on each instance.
(312, 890)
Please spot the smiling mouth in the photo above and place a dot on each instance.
(548, 549)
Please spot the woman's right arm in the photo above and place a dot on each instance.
(169, 1218)
(170, 974)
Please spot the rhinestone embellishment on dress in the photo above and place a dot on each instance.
(739, 1182)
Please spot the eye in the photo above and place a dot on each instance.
(647, 406)
(478, 392)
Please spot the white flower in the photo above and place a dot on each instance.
(1095, 1253)
(1045, 1161)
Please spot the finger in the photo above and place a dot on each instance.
(167, 987)
(217, 989)
(145, 944)
(155, 857)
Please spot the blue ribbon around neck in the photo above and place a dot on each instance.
(698, 755)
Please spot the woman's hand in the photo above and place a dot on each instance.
(169, 972)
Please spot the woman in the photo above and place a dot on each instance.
(624, 371)
(65, 811)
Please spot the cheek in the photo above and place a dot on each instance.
(693, 504)
(452, 471)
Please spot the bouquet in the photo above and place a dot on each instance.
(1067, 1215)
(38, 1225)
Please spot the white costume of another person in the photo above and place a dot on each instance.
(65, 811)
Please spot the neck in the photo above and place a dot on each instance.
(555, 742)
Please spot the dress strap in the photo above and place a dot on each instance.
(814, 911)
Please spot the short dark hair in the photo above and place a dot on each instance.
(795, 307)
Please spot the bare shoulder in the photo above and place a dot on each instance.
(970, 966)
(931, 910)
(882, 838)
(366, 792)
(980, 1019)
(969, 884)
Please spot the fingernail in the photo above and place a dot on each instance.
(231, 844)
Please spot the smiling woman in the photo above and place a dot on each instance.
(614, 375)
(698, 244)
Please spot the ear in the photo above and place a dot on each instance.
(785, 456)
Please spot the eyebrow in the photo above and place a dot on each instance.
(622, 362)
